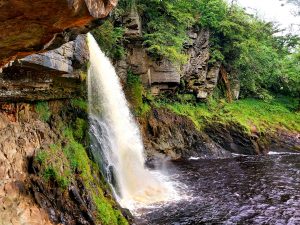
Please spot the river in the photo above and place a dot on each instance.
(241, 190)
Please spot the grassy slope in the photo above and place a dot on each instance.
(278, 113)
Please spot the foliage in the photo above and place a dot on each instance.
(135, 93)
(109, 39)
(80, 104)
(279, 112)
(250, 49)
(43, 110)
(164, 26)
(55, 166)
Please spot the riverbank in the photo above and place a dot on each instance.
(181, 129)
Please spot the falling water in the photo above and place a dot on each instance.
(115, 137)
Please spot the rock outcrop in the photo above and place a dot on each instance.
(200, 77)
(54, 74)
(21, 134)
(235, 139)
(168, 134)
(158, 75)
(28, 26)
(27, 194)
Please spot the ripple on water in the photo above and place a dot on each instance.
(242, 190)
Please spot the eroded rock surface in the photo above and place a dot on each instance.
(28, 26)
(176, 136)
(20, 137)
(159, 75)
(55, 74)
(200, 77)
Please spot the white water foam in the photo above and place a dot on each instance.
(116, 139)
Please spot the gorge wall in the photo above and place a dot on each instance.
(47, 174)
(198, 75)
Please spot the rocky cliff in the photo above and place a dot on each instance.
(33, 26)
(198, 75)
(55, 74)
(47, 175)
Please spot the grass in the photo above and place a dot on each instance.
(80, 104)
(55, 166)
(277, 113)
(42, 108)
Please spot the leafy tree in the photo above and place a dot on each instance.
(165, 24)
(249, 48)
(109, 39)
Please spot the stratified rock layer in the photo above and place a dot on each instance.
(54, 74)
(33, 26)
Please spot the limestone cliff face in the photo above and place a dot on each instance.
(33, 26)
(199, 76)
(158, 75)
(54, 74)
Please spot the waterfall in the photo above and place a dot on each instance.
(115, 137)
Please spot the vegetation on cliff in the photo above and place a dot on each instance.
(253, 51)
(251, 114)
(66, 160)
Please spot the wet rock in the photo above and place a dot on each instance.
(175, 136)
(234, 138)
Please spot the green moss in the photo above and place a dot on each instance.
(80, 161)
(55, 166)
(80, 104)
(83, 75)
(42, 108)
(80, 128)
(135, 94)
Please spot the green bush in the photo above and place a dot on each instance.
(109, 39)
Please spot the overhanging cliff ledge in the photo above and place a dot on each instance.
(28, 26)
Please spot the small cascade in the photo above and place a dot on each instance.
(115, 138)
